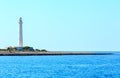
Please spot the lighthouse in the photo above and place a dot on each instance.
(20, 40)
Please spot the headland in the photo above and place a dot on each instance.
(5, 53)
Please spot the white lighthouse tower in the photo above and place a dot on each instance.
(20, 40)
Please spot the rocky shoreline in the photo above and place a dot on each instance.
(49, 53)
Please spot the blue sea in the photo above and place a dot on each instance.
(66, 66)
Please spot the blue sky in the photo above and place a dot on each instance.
(69, 25)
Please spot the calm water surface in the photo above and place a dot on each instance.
(80, 66)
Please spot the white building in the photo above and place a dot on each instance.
(20, 39)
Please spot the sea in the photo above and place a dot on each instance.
(64, 66)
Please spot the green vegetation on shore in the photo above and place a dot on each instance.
(23, 49)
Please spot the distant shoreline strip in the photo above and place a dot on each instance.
(50, 53)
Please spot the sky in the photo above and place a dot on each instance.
(62, 25)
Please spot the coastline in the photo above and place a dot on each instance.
(49, 53)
